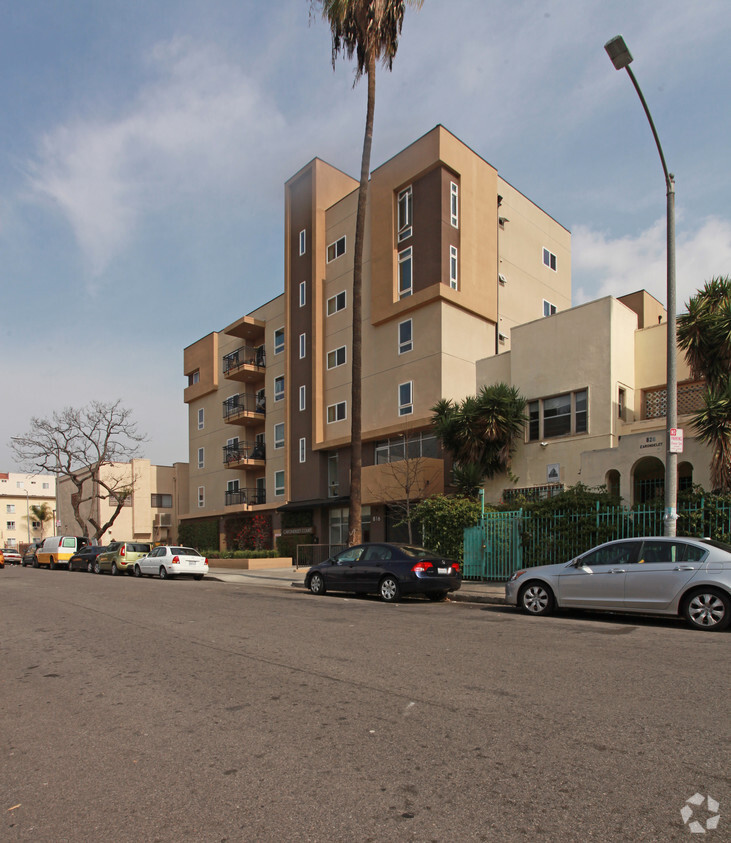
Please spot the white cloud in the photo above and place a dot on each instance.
(603, 266)
(196, 127)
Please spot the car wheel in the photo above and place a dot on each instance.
(709, 609)
(90, 567)
(317, 584)
(437, 596)
(52, 564)
(114, 570)
(536, 599)
(389, 589)
(97, 568)
(138, 571)
(35, 563)
(164, 573)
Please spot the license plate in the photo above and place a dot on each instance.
(443, 570)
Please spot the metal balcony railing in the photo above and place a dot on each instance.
(244, 403)
(244, 451)
(246, 355)
(245, 497)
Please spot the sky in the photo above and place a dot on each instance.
(144, 149)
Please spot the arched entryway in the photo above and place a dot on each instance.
(611, 481)
(648, 480)
(685, 477)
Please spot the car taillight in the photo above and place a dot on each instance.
(205, 561)
(421, 567)
(121, 552)
(176, 560)
(455, 568)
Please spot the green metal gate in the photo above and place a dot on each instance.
(493, 549)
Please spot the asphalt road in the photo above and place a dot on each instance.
(206, 711)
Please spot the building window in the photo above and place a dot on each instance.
(415, 447)
(201, 497)
(279, 388)
(279, 483)
(336, 249)
(303, 346)
(560, 415)
(303, 293)
(333, 484)
(279, 435)
(405, 273)
(303, 449)
(194, 377)
(36, 525)
(549, 259)
(303, 241)
(336, 303)
(621, 403)
(10, 508)
(303, 398)
(10, 525)
(279, 340)
(405, 211)
(161, 501)
(453, 267)
(406, 398)
(336, 357)
(46, 485)
(201, 458)
(548, 308)
(454, 204)
(405, 336)
(201, 419)
(336, 412)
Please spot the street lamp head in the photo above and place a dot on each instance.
(618, 52)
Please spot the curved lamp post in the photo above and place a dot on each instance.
(621, 58)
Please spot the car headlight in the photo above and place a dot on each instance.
(516, 575)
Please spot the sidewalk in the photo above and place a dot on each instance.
(470, 592)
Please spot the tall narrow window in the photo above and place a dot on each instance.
(279, 435)
(405, 398)
(303, 398)
(454, 204)
(303, 345)
(279, 340)
(453, 267)
(405, 336)
(405, 209)
(303, 449)
(303, 293)
(303, 241)
(278, 483)
(279, 388)
(405, 273)
(201, 419)
(201, 458)
(621, 403)
(549, 259)
(201, 496)
(333, 486)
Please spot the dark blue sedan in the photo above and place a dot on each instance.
(390, 570)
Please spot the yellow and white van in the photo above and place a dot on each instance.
(57, 550)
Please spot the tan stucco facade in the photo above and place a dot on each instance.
(18, 526)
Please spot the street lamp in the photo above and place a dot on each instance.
(27, 514)
(621, 58)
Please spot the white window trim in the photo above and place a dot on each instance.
(201, 497)
(552, 263)
(303, 241)
(404, 255)
(277, 442)
(334, 351)
(278, 490)
(281, 349)
(406, 409)
(334, 298)
(337, 404)
(454, 265)
(410, 342)
(303, 346)
(201, 418)
(334, 245)
(405, 227)
(279, 379)
(454, 201)
(550, 305)
(201, 457)
(303, 449)
(303, 398)
(303, 293)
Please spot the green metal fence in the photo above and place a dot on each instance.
(505, 541)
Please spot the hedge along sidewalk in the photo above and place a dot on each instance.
(251, 563)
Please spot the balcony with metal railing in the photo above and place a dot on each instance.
(245, 408)
(242, 454)
(245, 497)
(246, 364)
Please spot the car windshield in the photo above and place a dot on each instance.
(184, 551)
(138, 548)
(416, 552)
(717, 545)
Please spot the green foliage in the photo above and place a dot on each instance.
(287, 545)
(441, 520)
(199, 533)
(255, 533)
(240, 554)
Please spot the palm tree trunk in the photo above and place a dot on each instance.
(356, 420)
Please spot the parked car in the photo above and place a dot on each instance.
(120, 557)
(84, 559)
(29, 557)
(56, 551)
(649, 576)
(11, 556)
(390, 570)
(169, 561)
(2, 559)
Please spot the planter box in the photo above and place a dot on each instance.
(251, 564)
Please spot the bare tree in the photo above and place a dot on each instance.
(77, 444)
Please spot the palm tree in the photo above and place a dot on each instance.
(704, 333)
(368, 30)
(482, 430)
(41, 512)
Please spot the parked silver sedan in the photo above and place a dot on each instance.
(649, 576)
(167, 561)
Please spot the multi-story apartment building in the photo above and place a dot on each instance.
(594, 377)
(150, 513)
(454, 259)
(18, 493)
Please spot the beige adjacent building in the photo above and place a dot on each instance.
(151, 513)
(455, 258)
(18, 493)
(594, 377)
